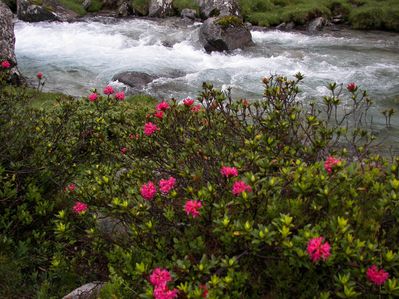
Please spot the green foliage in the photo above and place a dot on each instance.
(74, 5)
(229, 21)
(246, 244)
(95, 6)
(141, 7)
(179, 5)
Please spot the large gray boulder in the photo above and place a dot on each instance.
(7, 41)
(47, 10)
(214, 8)
(88, 291)
(161, 8)
(135, 80)
(224, 34)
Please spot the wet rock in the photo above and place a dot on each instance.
(47, 10)
(187, 13)
(124, 10)
(161, 8)
(136, 80)
(7, 41)
(286, 26)
(317, 24)
(88, 291)
(216, 37)
(214, 8)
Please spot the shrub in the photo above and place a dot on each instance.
(141, 7)
(229, 21)
(179, 5)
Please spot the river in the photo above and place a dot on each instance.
(76, 57)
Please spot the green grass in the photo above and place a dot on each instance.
(228, 21)
(95, 6)
(141, 6)
(74, 5)
(179, 5)
(361, 14)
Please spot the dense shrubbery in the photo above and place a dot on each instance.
(207, 198)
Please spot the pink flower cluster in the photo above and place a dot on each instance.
(166, 185)
(229, 171)
(330, 163)
(123, 150)
(93, 97)
(39, 75)
(71, 187)
(196, 108)
(240, 187)
(192, 207)
(5, 64)
(80, 207)
(120, 96)
(318, 250)
(378, 277)
(159, 278)
(188, 102)
(108, 90)
(148, 190)
(159, 114)
(351, 87)
(163, 106)
(150, 128)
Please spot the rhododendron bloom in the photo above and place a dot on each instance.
(204, 291)
(192, 207)
(120, 96)
(148, 190)
(229, 171)
(163, 106)
(150, 128)
(351, 87)
(80, 207)
(378, 277)
(162, 292)
(39, 75)
(5, 64)
(166, 185)
(93, 97)
(159, 114)
(71, 187)
(330, 163)
(196, 108)
(318, 250)
(160, 276)
(240, 187)
(108, 90)
(123, 150)
(131, 136)
(188, 102)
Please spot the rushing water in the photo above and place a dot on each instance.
(78, 56)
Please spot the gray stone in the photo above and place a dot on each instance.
(48, 10)
(217, 38)
(124, 9)
(88, 291)
(187, 13)
(112, 229)
(135, 80)
(285, 26)
(161, 8)
(214, 8)
(7, 41)
(317, 24)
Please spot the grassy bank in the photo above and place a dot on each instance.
(360, 14)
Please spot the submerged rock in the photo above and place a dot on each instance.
(214, 8)
(187, 13)
(221, 34)
(317, 24)
(161, 8)
(7, 41)
(135, 80)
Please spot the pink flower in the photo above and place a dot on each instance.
(39, 75)
(330, 163)
(93, 97)
(229, 171)
(150, 128)
(160, 277)
(192, 206)
(378, 277)
(166, 185)
(148, 190)
(317, 250)
(188, 102)
(159, 114)
(163, 106)
(131, 136)
(162, 292)
(240, 187)
(123, 150)
(108, 90)
(80, 207)
(196, 108)
(351, 87)
(71, 187)
(5, 64)
(204, 290)
(120, 96)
